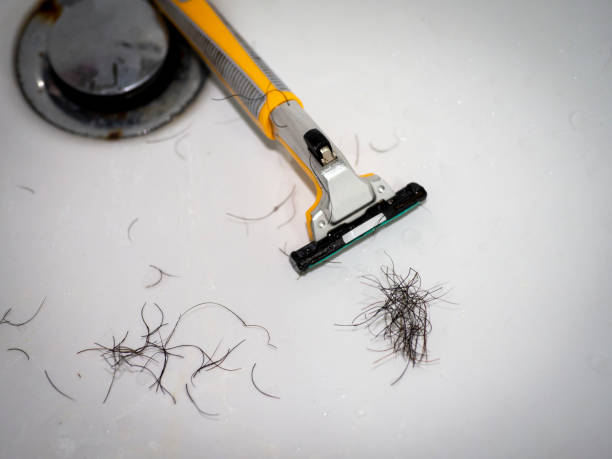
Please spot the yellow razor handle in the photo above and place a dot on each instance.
(256, 87)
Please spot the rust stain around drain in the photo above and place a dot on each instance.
(50, 10)
(114, 135)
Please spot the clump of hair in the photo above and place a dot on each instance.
(155, 349)
(153, 354)
(401, 318)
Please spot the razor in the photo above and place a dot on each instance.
(348, 206)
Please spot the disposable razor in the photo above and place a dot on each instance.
(347, 207)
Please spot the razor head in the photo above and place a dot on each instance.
(341, 237)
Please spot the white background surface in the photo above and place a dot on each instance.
(504, 110)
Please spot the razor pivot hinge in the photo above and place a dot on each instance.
(344, 195)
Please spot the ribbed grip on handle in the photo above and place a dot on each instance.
(246, 75)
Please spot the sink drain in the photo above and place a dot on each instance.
(105, 68)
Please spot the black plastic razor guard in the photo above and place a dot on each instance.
(316, 252)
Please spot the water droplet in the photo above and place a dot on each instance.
(576, 118)
(599, 364)
(153, 445)
(401, 135)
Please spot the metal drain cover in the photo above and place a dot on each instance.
(105, 68)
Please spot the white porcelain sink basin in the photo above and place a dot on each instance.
(501, 110)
